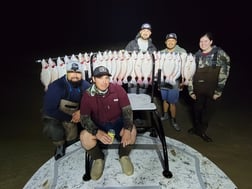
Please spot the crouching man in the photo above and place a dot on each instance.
(61, 113)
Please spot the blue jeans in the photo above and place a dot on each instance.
(170, 95)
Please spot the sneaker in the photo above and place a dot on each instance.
(127, 166)
(165, 117)
(203, 135)
(59, 151)
(175, 125)
(97, 169)
(206, 138)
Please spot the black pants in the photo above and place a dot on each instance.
(201, 112)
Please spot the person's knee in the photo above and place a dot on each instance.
(88, 141)
(173, 105)
(71, 130)
(53, 129)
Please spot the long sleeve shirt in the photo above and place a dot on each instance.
(98, 109)
(61, 89)
(207, 60)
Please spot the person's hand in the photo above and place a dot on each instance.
(76, 117)
(126, 137)
(103, 137)
(181, 86)
(216, 96)
(193, 96)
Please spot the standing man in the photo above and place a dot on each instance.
(61, 112)
(207, 85)
(143, 43)
(106, 106)
(169, 92)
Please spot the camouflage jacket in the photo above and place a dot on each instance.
(220, 59)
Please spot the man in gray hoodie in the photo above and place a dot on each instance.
(141, 43)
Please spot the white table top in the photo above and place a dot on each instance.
(141, 102)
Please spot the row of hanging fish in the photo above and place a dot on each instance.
(125, 67)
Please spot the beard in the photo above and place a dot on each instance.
(75, 84)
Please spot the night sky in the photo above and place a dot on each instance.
(68, 26)
(87, 25)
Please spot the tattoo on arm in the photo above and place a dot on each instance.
(127, 117)
(88, 124)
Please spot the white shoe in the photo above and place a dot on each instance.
(127, 166)
(97, 169)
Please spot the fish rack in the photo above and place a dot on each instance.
(125, 67)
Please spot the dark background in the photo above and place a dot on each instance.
(52, 28)
(41, 29)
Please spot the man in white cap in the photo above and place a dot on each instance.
(61, 112)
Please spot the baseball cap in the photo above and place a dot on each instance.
(146, 26)
(171, 36)
(73, 65)
(101, 71)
